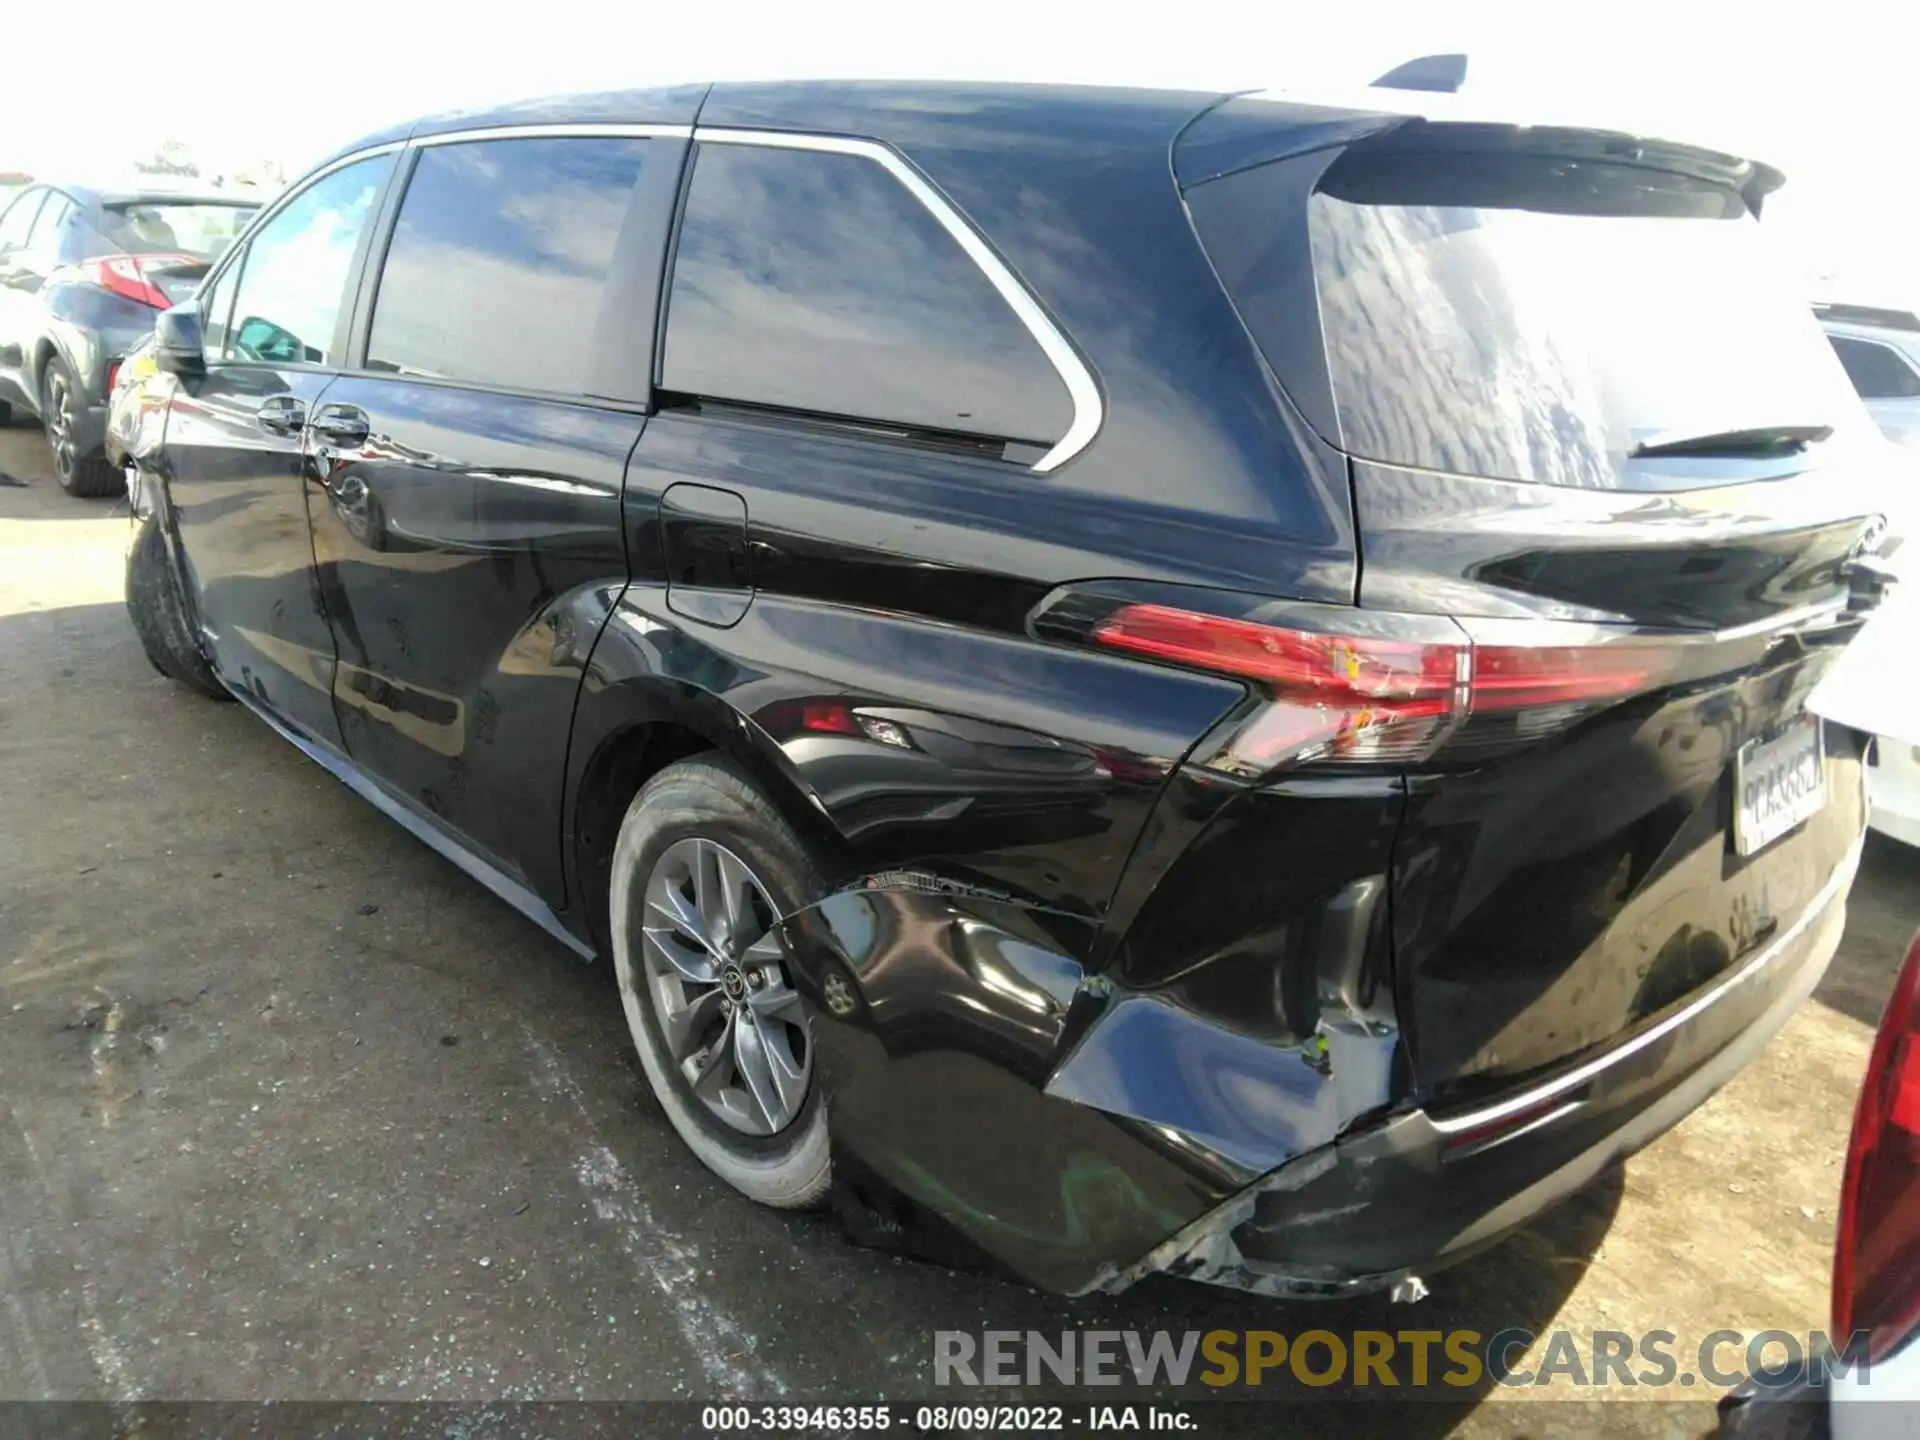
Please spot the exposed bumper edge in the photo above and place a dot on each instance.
(1374, 1209)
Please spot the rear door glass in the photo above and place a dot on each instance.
(816, 282)
(1536, 318)
(497, 263)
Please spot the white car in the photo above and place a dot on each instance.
(1881, 352)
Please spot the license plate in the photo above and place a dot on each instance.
(1778, 781)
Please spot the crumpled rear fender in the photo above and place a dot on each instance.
(993, 1101)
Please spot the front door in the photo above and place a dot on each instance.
(275, 326)
(466, 488)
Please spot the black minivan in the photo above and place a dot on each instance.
(1132, 680)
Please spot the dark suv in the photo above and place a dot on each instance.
(1132, 680)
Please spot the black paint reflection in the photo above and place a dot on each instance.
(495, 269)
(1532, 318)
(817, 282)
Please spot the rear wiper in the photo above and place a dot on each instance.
(1762, 441)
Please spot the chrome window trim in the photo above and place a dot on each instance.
(280, 202)
(1088, 411)
(611, 130)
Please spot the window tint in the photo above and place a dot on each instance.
(1876, 371)
(817, 282)
(17, 223)
(294, 274)
(497, 262)
(1536, 318)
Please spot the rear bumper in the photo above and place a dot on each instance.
(1385, 1204)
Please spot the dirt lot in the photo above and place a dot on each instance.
(291, 1108)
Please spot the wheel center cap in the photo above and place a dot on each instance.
(733, 980)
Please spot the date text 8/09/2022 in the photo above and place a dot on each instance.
(935, 1419)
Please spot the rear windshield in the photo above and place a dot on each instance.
(151, 227)
(1536, 318)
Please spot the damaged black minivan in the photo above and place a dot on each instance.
(1132, 680)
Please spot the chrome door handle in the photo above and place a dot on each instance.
(344, 425)
(281, 415)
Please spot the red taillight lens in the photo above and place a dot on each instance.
(1335, 696)
(1517, 677)
(1374, 698)
(828, 717)
(1876, 1261)
(125, 276)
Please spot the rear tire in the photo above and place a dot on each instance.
(159, 614)
(78, 474)
(749, 1122)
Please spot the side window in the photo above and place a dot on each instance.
(293, 278)
(498, 259)
(1877, 371)
(17, 223)
(44, 242)
(815, 281)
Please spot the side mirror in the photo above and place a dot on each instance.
(177, 345)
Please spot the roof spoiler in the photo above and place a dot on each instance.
(1443, 74)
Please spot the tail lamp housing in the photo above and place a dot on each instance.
(1876, 1261)
(126, 276)
(1344, 686)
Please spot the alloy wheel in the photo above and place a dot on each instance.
(733, 1024)
(60, 427)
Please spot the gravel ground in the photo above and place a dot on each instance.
(290, 1109)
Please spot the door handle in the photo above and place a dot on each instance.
(344, 425)
(281, 415)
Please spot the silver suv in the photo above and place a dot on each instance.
(1881, 352)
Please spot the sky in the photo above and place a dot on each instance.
(1820, 91)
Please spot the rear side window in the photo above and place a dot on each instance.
(293, 276)
(1876, 371)
(17, 223)
(816, 282)
(498, 260)
(1532, 317)
(44, 242)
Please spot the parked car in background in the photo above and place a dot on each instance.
(1875, 1393)
(882, 562)
(82, 274)
(1880, 349)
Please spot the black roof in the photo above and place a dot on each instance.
(1239, 129)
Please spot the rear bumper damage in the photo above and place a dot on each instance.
(1380, 1207)
(1166, 1143)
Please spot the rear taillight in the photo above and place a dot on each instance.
(125, 276)
(1876, 1262)
(1335, 696)
(1339, 695)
